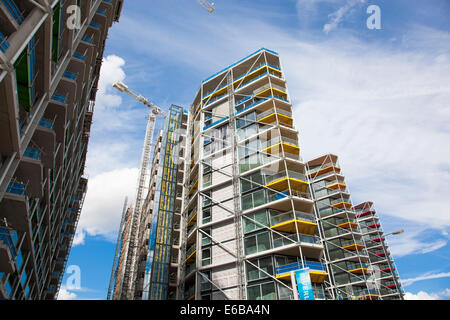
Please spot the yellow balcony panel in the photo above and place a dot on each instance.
(318, 276)
(286, 120)
(342, 205)
(278, 148)
(354, 247)
(359, 271)
(191, 256)
(336, 186)
(315, 275)
(216, 93)
(282, 184)
(304, 227)
(325, 170)
(252, 75)
(348, 225)
(264, 93)
(193, 219)
(194, 187)
(279, 92)
(277, 72)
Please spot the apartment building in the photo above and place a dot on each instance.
(378, 250)
(49, 73)
(354, 248)
(248, 213)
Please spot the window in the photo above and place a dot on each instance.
(257, 243)
(253, 199)
(207, 198)
(246, 120)
(206, 257)
(265, 291)
(256, 180)
(204, 283)
(207, 180)
(259, 216)
(253, 273)
(206, 215)
(205, 239)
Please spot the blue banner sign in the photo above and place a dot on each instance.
(304, 286)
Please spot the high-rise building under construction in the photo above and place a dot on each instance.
(252, 220)
(50, 58)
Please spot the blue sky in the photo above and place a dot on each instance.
(376, 98)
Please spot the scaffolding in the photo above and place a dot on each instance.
(270, 99)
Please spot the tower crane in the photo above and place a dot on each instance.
(207, 5)
(129, 276)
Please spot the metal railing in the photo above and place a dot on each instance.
(288, 216)
(312, 265)
(9, 238)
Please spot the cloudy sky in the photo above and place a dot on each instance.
(378, 98)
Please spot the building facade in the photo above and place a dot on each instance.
(49, 69)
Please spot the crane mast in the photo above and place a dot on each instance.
(129, 275)
(207, 5)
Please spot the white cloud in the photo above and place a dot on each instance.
(421, 295)
(426, 276)
(110, 72)
(410, 243)
(65, 294)
(103, 205)
(383, 111)
(337, 16)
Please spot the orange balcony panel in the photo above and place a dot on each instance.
(354, 247)
(325, 170)
(304, 227)
(337, 186)
(348, 225)
(359, 271)
(342, 205)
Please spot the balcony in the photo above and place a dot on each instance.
(14, 11)
(193, 187)
(285, 179)
(352, 245)
(16, 188)
(59, 98)
(8, 253)
(317, 271)
(365, 214)
(280, 144)
(32, 153)
(192, 217)
(366, 294)
(340, 204)
(357, 268)
(70, 75)
(316, 173)
(293, 221)
(270, 116)
(190, 253)
(4, 44)
(45, 123)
